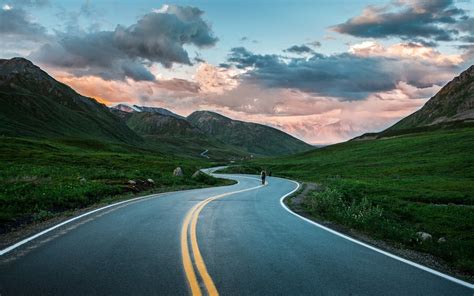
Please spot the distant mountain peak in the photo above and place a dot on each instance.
(253, 137)
(135, 108)
(126, 108)
(18, 61)
(208, 115)
(16, 66)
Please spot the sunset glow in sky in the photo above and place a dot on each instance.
(323, 71)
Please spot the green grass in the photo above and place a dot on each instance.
(394, 187)
(40, 178)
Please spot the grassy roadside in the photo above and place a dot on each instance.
(42, 179)
(392, 188)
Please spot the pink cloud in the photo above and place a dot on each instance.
(315, 119)
(411, 50)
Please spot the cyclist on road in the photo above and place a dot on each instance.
(263, 174)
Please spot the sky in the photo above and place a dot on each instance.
(323, 71)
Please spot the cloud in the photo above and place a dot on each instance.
(345, 76)
(247, 39)
(16, 23)
(467, 26)
(314, 44)
(160, 36)
(179, 85)
(157, 37)
(318, 120)
(410, 50)
(299, 49)
(406, 19)
(212, 79)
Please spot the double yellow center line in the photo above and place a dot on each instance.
(189, 226)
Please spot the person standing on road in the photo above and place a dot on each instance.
(263, 174)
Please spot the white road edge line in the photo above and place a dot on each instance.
(28, 239)
(432, 271)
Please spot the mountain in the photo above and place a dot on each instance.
(454, 102)
(156, 123)
(135, 108)
(35, 104)
(125, 108)
(252, 137)
(174, 134)
(452, 107)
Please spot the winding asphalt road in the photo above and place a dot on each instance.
(234, 240)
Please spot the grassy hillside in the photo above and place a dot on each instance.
(33, 104)
(252, 137)
(392, 188)
(174, 135)
(39, 178)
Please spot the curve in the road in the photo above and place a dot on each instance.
(190, 225)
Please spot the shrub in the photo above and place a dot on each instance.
(332, 203)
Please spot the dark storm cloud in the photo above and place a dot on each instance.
(299, 49)
(344, 76)
(92, 54)
(434, 19)
(16, 22)
(156, 37)
(159, 37)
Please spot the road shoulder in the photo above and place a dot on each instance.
(295, 203)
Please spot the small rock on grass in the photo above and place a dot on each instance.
(424, 236)
(178, 172)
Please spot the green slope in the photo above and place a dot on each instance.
(33, 104)
(418, 182)
(175, 135)
(254, 138)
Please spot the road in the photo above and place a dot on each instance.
(204, 153)
(234, 240)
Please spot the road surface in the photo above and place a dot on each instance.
(234, 240)
(204, 153)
